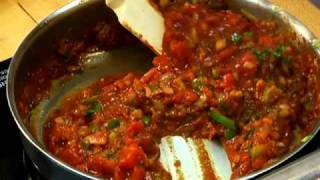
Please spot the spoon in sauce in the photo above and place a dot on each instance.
(183, 158)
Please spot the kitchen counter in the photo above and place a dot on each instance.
(20, 16)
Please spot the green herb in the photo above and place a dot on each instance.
(308, 103)
(112, 136)
(197, 84)
(270, 94)
(279, 54)
(236, 38)
(267, 96)
(85, 145)
(297, 136)
(257, 150)
(89, 100)
(146, 120)
(110, 154)
(94, 127)
(153, 87)
(93, 107)
(262, 55)
(225, 121)
(222, 103)
(275, 9)
(286, 60)
(229, 134)
(250, 133)
(305, 139)
(114, 123)
(316, 44)
(248, 33)
(215, 73)
(49, 125)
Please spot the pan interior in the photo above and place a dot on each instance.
(136, 59)
(126, 59)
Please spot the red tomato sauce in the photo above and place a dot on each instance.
(221, 76)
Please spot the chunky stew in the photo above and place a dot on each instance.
(222, 75)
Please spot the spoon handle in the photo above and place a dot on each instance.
(142, 20)
(194, 159)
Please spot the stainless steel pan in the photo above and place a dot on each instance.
(69, 21)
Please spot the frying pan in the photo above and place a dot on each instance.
(70, 21)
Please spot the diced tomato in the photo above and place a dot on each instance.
(248, 65)
(130, 156)
(227, 83)
(226, 53)
(62, 132)
(147, 77)
(212, 20)
(128, 79)
(119, 174)
(266, 41)
(86, 93)
(138, 173)
(124, 82)
(172, 17)
(191, 9)
(134, 128)
(189, 75)
(245, 163)
(180, 50)
(208, 92)
(71, 154)
(101, 165)
(258, 162)
(161, 61)
(82, 167)
(190, 96)
(236, 21)
(186, 97)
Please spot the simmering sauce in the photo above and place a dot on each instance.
(221, 76)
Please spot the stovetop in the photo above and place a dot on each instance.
(14, 163)
(11, 151)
